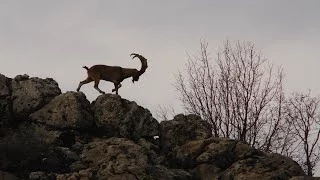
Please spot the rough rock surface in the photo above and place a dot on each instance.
(114, 158)
(230, 159)
(182, 129)
(31, 94)
(24, 149)
(119, 117)
(5, 104)
(161, 172)
(304, 178)
(47, 136)
(269, 166)
(70, 110)
(4, 86)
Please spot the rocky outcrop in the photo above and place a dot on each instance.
(183, 129)
(70, 110)
(49, 135)
(268, 166)
(31, 94)
(115, 158)
(119, 117)
(229, 159)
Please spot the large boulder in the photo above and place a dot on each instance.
(217, 151)
(181, 129)
(31, 94)
(122, 118)
(115, 158)
(269, 167)
(70, 110)
(230, 159)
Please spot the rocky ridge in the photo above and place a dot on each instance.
(46, 134)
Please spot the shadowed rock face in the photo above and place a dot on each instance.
(4, 86)
(5, 104)
(47, 135)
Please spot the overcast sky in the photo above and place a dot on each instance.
(56, 38)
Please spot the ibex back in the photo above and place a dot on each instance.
(113, 74)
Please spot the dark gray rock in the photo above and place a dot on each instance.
(24, 148)
(150, 149)
(304, 178)
(161, 172)
(31, 94)
(82, 175)
(7, 176)
(5, 105)
(119, 117)
(229, 159)
(40, 175)
(70, 110)
(207, 172)
(269, 167)
(4, 86)
(182, 129)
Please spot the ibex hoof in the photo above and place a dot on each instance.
(113, 90)
(103, 92)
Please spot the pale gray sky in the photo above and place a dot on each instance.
(56, 38)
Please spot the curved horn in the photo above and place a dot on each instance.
(134, 55)
(143, 60)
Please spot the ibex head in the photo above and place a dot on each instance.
(144, 66)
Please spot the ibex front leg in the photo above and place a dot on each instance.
(84, 82)
(96, 83)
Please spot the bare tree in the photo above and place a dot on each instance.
(241, 95)
(163, 113)
(303, 114)
(236, 92)
(198, 92)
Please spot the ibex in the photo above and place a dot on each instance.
(113, 74)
